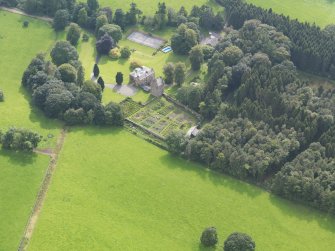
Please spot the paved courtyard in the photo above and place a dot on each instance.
(125, 90)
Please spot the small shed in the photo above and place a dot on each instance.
(192, 132)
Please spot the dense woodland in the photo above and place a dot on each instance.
(263, 118)
(313, 49)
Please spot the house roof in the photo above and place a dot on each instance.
(142, 72)
(192, 132)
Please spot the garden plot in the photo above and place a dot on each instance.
(160, 117)
(147, 40)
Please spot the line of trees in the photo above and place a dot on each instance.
(313, 49)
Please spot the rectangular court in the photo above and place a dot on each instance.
(144, 39)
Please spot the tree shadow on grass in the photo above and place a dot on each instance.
(304, 213)
(218, 179)
(21, 159)
(203, 248)
(37, 116)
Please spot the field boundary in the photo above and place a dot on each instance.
(20, 12)
(30, 226)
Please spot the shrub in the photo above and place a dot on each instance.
(135, 64)
(93, 88)
(61, 19)
(125, 52)
(209, 237)
(86, 37)
(115, 53)
(114, 114)
(73, 35)
(239, 241)
(68, 73)
(25, 24)
(2, 97)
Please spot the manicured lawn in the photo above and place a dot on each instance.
(142, 54)
(114, 191)
(322, 12)
(149, 7)
(21, 175)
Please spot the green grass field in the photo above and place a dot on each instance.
(322, 12)
(142, 54)
(21, 175)
(150, 6)
(114, 191)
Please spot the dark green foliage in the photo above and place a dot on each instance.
(196, 57)
(179, 73)
(73, 34)
(119, 78)
(125, 52)
(239, 242)
(176, 142)
(61, 20)
(264, 117)
(169, 73)
(20, 139)
(112, 30)
(75, 117)
(2, 96)
(100, 21)
(80, 76)
(312, 49)
(86, 37)
(209, 237)
(47, 7)
(105, 44)
(190, 95)
(161, 18)
(93, 5)
(207, 18)
(184, 39)
(96, 71)
(114, 114)
(8, 3)
(25, 24)
(63, 52)
(68, 73)
(133, 14)
(101, 82)
(93, 88)
(309, 178)
(119, 18)
(62, 93)
(82, 17)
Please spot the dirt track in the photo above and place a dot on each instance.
(42, 192)
(20, 12)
